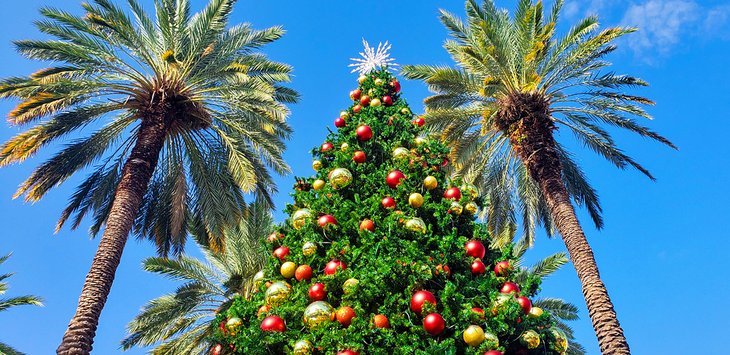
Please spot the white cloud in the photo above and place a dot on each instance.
(661, 23)
(717, 21)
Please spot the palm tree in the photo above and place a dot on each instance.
(6, 303)
(181, 322)
(515, 85)
(187, 117)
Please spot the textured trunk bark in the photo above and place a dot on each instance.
(525, 118)
(136, 174)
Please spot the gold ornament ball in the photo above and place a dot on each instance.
(344, 114)
(379, 82)
(471, 208)
(456, 208)
(340, 178)
(375, 102)
(530, 339)
(491, 340)
(473, 335)
(401, 153)
(362, 79)
(419, 141)
(318, 314)
(350, 286)
(416, 225)
(258, 278)
(405, 111)
(561, 340)
(415, 200)
(302, 347)
(309, 248)
(277, 293)
(318, 184)
(233, 324)
(300, 218)
(371, 92)
(344, 147)
(316, 165)
(469, 191)
(287, 269)
(535, 312)
(430, 182)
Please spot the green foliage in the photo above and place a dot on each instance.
(110, 69)
(6, 303)
(499, 55)
(392, 262)
(180, 322)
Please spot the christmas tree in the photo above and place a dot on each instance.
(382, 254)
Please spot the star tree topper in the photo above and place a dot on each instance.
(373, 58)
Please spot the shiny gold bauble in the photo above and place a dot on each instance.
(302, 347)
(344, 147)
(535, 312)
(318, 314)
(277, 293)
(416, 225)
(419, 141)
(491, 340)
(318, 184)
(258, 278)
(530, 339)
(471, 208)
(340, 178)
(379, 82)
(362, 79)
(287, 269)
(405, 111)
(430, 182)
(469, 191)
(561, 340)
(401, 153)
(316, 165)
(473, 335)
(375, 102)
(415, 200)
(344, 114)
(300, 218)
(456, 208)
(233, 325)
(309, 248)
(350, 286)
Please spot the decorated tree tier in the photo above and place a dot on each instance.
(381, 253)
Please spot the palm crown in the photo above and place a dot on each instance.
(223, 103)
(504, 62)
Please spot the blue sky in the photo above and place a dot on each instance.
(663, 252)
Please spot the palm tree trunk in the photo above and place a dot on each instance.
(525, 118)
(136, 174)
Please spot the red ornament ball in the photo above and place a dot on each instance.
(217, 349)
(478, 311)
(475, 249)
(326, 219)
(502, 268)
(273, 324)
(355, 94)
(367, 225)
(388, 202)
(419, 122)
(421, 297)
(525, 303)
(493, 352)
(273, 237)
(344, 315)
(478, 268)
(364, 133)
(396, 85)
(317, 292)
(281, 252)
(394, 178)
(359, 157)
(357, 108)
(434, 324)
(303, 272)
(332, 266)
(365, 100)
(340, 122)
(453, 193)
(348, 352)
(381, 321)
(510, 287)
(327, 146)
(387, 100)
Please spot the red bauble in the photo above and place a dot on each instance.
(356, 108)
(510, 287)
(281, 252)
(381, 321)
(388, 202)
(327, 146)
(263, 310)
(273, 324)
(340, 122)
(355, 94)
(364, 133)
(525, 303)
(367, 225)
(359, 157)
(217, 349)
(326, 219)
(502, 268)
(394, 178)
(347, 352)
(274, 237)
(365, 100)
(303, 272)
(478, 268)
(478, 311)
(396, 85)
(453, 193)
(421, 297)
(493, 352)
(332, 266)
(475, 249)
(317, 292)
(387, 100)
(434, 324)
(344, 315)
(419, 122)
